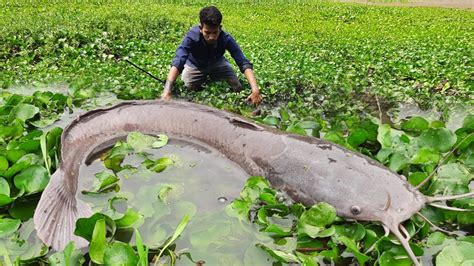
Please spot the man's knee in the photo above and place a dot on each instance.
(195, 86)
(235, 84)
(193, 78)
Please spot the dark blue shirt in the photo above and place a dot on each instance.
(195, 52)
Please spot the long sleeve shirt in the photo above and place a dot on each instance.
(195, 52)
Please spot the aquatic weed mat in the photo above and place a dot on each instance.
(323, 68)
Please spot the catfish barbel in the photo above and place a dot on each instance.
(308, 169)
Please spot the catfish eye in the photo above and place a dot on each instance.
(356, 210)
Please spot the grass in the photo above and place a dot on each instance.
(315, 52)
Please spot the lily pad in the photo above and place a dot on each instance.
(314, 220)
(3, 163)
(68, 257)
(130, 218)
(85, 226)
(8, 226)
(271, 120)
(469, 122)
(120, 254)
(357, 137)
(140, 142)
(32, 179)
(23, 112)
(457, 254)
(415, 124)
(439, 139)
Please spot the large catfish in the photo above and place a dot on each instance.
(310, 170)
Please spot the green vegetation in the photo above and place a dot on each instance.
(325, 70)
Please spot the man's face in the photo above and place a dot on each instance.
(210, 33)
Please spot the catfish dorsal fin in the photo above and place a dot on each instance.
(56, 214)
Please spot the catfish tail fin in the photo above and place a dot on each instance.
(56, 214)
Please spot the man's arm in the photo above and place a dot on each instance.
(245, 67)
(172, 75)
(177, 66)
(255, 96)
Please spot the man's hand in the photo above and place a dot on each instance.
(255, 97)
(166, 95)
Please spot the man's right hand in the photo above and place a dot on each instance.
(166, 95)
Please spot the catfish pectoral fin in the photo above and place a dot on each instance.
(56, 214)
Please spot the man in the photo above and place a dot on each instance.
(201, 54)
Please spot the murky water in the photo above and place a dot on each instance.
(410, 109)
(201, 185)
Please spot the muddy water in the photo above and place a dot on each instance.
(456, 114)
(202, 184)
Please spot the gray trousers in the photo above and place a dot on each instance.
(194, 77)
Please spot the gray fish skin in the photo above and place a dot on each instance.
(310, 170)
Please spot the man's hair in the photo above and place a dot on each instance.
(210, 16)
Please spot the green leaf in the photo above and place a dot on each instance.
(314, 220)
(271, 120)
(14, 155)
(449, 177)
(8, 226)
(159, 165)
(416, 178)
(415, 124)
(68, 257)
(142, 250)
(424, 156)
(3, 163)
(23, 209)
(176, 234)
(335, 137)
(140, 142)
(32, 179)
(85, 226)
(31, 145)
(284, 115)
(398, 161)
(439, 139)
(22, 163)
(435, 239)
(389, 258)
(23, 112)
(293, 128)
(354, 231)
(98, 243)
(357, 137)
(129, 219)
(456, 254)
(120, 254)
(352, 246)
(14, 129)
(162, 141)
(469, 122)
(4, 187)
(164, 192)
(116, 156)
(278, 254)
(277, 231)
(384, 136)
(103, 183)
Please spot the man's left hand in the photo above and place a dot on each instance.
(255, 97)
